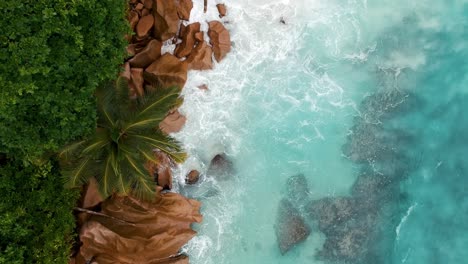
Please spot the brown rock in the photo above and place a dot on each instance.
(167, 71)
(203, 87)
(290, 227)
(133, 19)
(137, 80)
(140, 232)
(166, 19)
(192, 177)
(219, 39)
(199, 36)
(144, 25)
(200, 58)
(205, 5)
(91, 197)
(145, 12)
(147, 56)
(148, 4)
(221, 166)
(173, 122)
(139, 6)
(131, 50)
(163, 170)
(221, 10)
(126, 71)
(183, 9)
(184, 48)
(181, 259)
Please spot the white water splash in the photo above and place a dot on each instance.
(404, 219)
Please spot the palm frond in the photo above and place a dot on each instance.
(70, 152)
(142, 183)
(166, 144)
(79, 174)
(100, 139)
(152, 109)
(106, 180)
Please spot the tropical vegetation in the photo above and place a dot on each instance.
(53, 55)
(124, 141)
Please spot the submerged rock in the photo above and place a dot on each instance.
(298, 189)
(331, 212)
(290, 227)
(346, 245)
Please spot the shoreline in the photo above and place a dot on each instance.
(166, 44)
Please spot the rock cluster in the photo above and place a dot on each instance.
(353, 224)
(128, 230)
(123, 229)
(163, 22)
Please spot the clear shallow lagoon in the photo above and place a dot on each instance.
(344, 91)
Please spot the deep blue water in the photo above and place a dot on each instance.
(368, 100)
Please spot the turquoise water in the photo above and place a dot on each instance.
(366, 99)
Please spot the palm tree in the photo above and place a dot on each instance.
(124, 141)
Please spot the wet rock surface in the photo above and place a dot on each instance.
(221, 10)
(135, 231)
(192, 177)
(187, 34)
(200, 58)
(221, 166)
(290, 227)
(219, 40)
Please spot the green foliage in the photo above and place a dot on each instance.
(36, 220)
(53, 54)
(124, 142)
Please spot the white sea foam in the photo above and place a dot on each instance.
(404, 219)
(217, 120)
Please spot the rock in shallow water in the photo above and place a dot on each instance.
(290, 227)
(331, 212)
(220, 166)
(298, 189)
(192, 177)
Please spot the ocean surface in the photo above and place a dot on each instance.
(367, 99)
